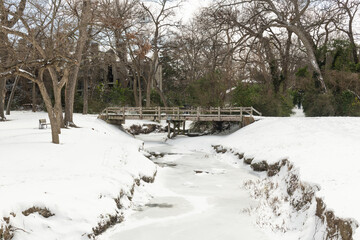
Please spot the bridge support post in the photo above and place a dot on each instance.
(184, 127)
(169, 129)
(159, 114)
(178, 128)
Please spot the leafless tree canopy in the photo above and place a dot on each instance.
(142, 53)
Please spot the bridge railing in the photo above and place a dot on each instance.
(176, 112)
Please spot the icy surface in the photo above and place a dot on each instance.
(197, 194)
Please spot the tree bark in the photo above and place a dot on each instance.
(135, 93)
(140, 92)
(353, 47)
(8, 107)
(310, 51)
(162, 96)
(70, 89)
(34, 97)
(148, 92)
(2, 99)
(7, 20)
(285, 62)
(86, 95)
(54, 123)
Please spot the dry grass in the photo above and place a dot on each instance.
(46, 213)
(102, 226)
(6, 232)
(336, 228)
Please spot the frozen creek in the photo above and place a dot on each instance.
(196, 195)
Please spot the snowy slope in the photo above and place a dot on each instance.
(77, 180)
(326, 151)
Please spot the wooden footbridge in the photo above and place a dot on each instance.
(178, 116)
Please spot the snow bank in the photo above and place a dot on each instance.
(77, 181)
(326, 151)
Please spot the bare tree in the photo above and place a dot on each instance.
(51, 34)
(347, 10)
(84, 20)
(159, 15)
(7, 19)
(294, 15)
(123, 27)
(138, 46)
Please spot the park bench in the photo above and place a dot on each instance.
(43, 124)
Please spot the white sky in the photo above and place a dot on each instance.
(190, 7)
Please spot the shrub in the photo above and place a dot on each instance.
(317, 104)
(262, 99)
(103, 97)
(347, 104)
(207, 91)
(155, 98)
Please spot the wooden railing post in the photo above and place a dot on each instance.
(140, 109)
(219, 113)
(198, 113)
(159, 113)
(124, 112)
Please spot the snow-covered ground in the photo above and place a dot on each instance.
(325, 150)
(198, 193)
(77, 181)
(298, 112)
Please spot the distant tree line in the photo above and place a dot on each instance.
(85, 55)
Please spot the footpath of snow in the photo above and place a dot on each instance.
(324, 150)
(77, 180)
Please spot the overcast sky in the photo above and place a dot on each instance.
(189, 8)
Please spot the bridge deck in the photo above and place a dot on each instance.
(232, 114)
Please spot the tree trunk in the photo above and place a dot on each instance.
(55, 127)
(70, 89)
(140, 93)
(86, 95)
(148, 93)
(353, 48)
(2, 99)
(285, 63)
(162, 96)
(12, 94)
(34, 97)
(310, 51)
(135, 93)
(58, 109)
